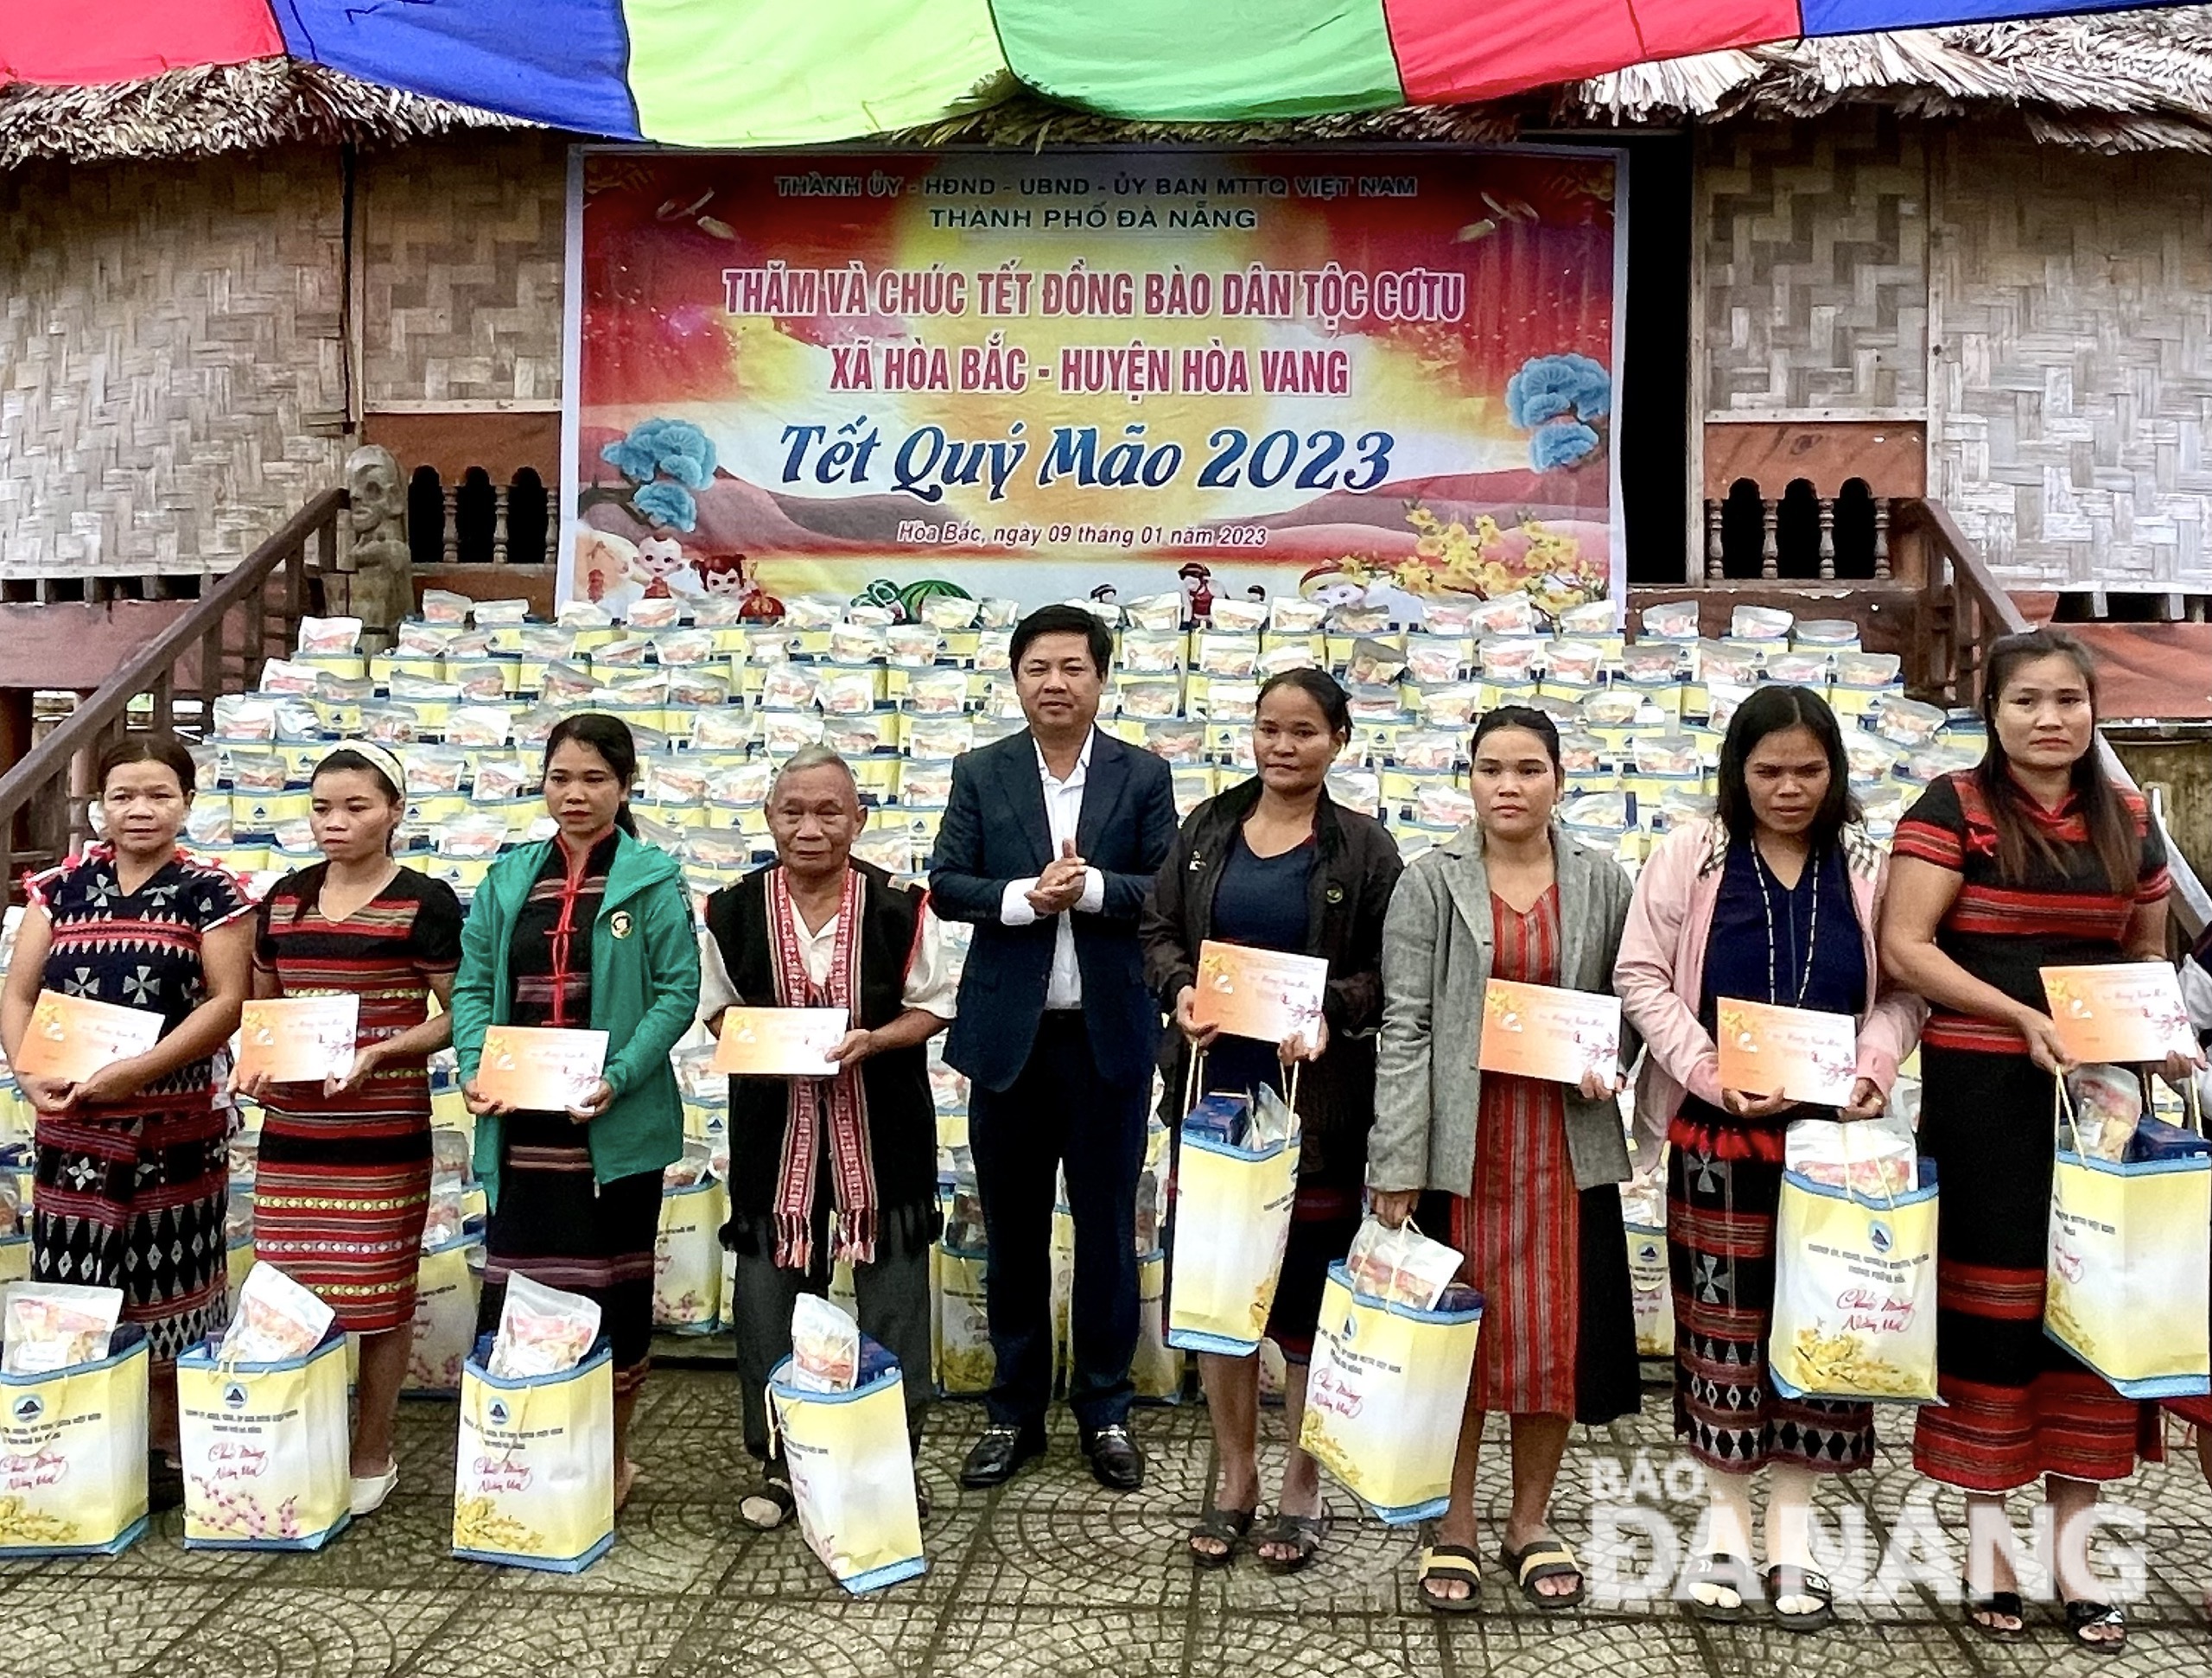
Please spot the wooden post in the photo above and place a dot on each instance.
(552, 554)
(1881, 535)
(1716, 563)
(499, 525)
(1828, 538)
(1770, 549)
(452, 554)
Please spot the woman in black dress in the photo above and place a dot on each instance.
(1277, 864)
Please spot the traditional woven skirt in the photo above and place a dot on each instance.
(339, 1204)
(556, 1224)
(137, 1203)
(2015, 1406)
(1721, 1233)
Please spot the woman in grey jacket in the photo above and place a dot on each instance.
(1523, 1175)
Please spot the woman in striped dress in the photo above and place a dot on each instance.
(342, 1185)
(132, 1180)
(1524, 1174)
(2033, 859)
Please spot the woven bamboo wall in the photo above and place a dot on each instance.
(172, 374)
(461, 247)
(1814, 266)
(2073, 431)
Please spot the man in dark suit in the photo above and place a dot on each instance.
(1050, 842)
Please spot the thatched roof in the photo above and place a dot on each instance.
(2111, 82)
(2115, 82)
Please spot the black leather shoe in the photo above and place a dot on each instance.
(1115, 1462)
(998, 1456)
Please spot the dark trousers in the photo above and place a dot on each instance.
(1059, 1113)
(893, 1296)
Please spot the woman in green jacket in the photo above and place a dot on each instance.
(589, 930)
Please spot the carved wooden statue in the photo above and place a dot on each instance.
(382, 586)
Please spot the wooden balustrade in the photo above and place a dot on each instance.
(247, 617)
(1745, 537)
(474, 519)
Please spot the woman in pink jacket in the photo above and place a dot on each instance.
(1776, 899)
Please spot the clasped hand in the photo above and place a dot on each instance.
(1059, 888)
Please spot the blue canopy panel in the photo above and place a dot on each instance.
(1858, 16)
(564, 62)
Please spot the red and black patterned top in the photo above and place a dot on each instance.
(2005, 934)
(139, 949)
(385, 952)
(549, 956)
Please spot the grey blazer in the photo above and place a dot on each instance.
(1437, 950)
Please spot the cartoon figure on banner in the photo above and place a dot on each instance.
(1197, 589)
(725, 574)
(1105, 594)
(662, 462)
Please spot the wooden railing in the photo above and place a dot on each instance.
(249, 616)
(1752, 536)
(1964, 609)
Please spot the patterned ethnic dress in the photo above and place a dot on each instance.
(555, 1222)
(132, 1194)
(2015, 1407)
(342, 1187)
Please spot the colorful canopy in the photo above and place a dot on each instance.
(772, 72)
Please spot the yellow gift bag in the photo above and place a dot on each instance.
(267, 1449)
(1231, 1220)
(15, 1258)
(965, 1362)
(73, 1455)
(2127, 1287)
(852, 1473)
(534, 1477)
(1854, 1294)
(1157, 1367)
(449, 1281)
(1384, 1397)
(688, 1257)
(1651, 1291)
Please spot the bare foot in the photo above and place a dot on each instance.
(626, 1479)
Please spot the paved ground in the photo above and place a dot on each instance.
(1051, 1575)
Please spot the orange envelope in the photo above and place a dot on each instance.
(780, 1042)
(71, 1037)
(1259, 993)
(541, 1068)
(1803, 1054)
(2123, 1011)
(1541, 1031)
(298, 1040)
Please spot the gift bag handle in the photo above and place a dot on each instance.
(1889, 1200)
(2062, 1112)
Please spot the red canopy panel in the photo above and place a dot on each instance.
(102, 41)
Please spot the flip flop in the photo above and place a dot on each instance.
(1303, 1532)
(1723, 1572)
(1786, 1579)
(1546, 1557)
(769, 1504)
(1451, 1561)
(2084, 1616)
(1225, 1527)
(1997, 1605)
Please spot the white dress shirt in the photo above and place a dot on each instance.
(933, 984)
(1063, 809)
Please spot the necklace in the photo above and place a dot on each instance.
(1812, 927)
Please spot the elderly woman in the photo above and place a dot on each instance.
(1525, 1172)
(842, 1167)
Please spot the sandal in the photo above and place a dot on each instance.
(1723, 1572)
(1786, 1579)
(1546, 1557)
(1998, 1604)
(1303, 1533)
(1225, 1527)
(2082, 1618)
(1451, 1561)
(769, 1504)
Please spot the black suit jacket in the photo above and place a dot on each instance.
(995, 832)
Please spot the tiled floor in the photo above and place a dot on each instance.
(1049, 1576)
